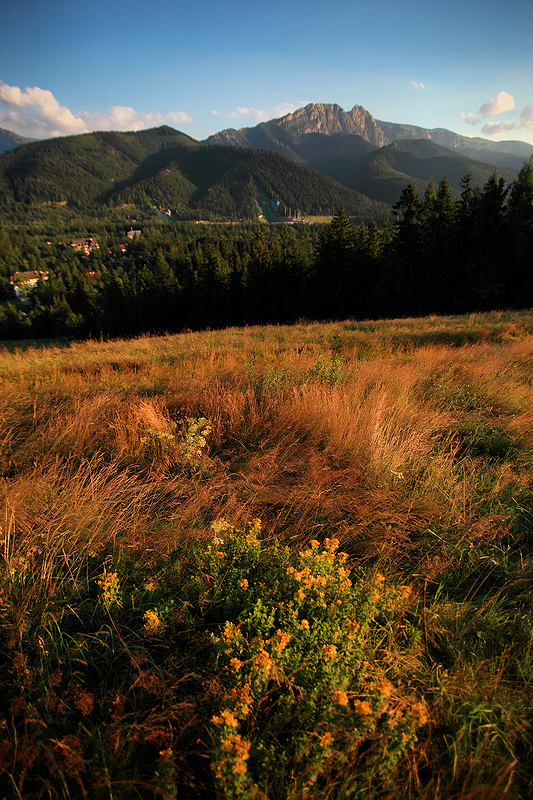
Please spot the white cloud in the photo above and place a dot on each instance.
(497, 105)
(264, 114)
(124, 118)
(471, 119)
(494, 128)
(35, 112)
(417, 85)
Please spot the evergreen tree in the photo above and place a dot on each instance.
(520, 236)
(488, 265)
(336, 284)
(438, 251)
(405, 268)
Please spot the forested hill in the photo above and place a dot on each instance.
(382, 174)
(163, 167)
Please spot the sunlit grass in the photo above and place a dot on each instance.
(408, 441)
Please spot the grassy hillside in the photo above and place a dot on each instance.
(270, 562)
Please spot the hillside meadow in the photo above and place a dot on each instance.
(270, 562)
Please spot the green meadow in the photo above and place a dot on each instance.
(279, 563)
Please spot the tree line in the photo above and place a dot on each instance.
(436, 255)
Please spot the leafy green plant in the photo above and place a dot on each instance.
(328, 370)
(181, 444)
(485, 440)
(158, 442)
(303, 697)
(194, 439)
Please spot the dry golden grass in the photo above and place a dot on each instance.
(343, 426)
(408, 440)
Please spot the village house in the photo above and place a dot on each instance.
(23, 282)
(86, 245)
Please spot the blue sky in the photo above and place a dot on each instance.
(205, 65)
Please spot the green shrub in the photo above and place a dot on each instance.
(303, 698)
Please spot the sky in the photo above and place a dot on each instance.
(204, 65)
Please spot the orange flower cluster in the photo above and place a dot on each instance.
(340, 698)
(226, 717)
(362, 707)
(238, 750)
(330, 651)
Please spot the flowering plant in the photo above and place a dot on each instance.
(302, 692)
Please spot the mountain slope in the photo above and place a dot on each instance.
(79, 169)
(290, 135)
(344, 145)
(383, 174)
(511, 154)
(9, 140)
(164, 167)
(291, 131)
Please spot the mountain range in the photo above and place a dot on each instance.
(375, 157)
(314, 159)
(9, 140)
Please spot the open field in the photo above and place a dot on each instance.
(274, 563)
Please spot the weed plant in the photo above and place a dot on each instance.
(270, 563)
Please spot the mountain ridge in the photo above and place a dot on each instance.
(314, 159)
(164, 168)
(9, 140)
(330, 118)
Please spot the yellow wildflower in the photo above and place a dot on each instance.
(110, 585)
(152, 623)
(341, 698)
(304, 625)
(326, 739)
(235, 663)
(362, 707)
(282, 640)
(243, 583)
(263, 660)
(419, 710)
(229, 631)
(226, 717)
(239, 749)
(330, 651)
(385, 688)
(244, 698)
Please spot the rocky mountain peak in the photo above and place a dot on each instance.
(330, 119)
